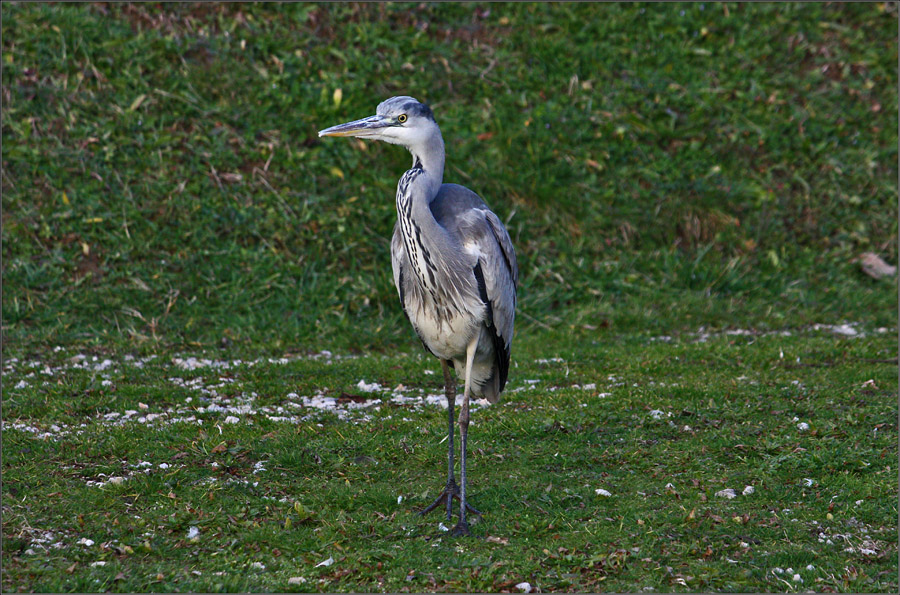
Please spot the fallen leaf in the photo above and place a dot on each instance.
(485, 135)
(875, 267)
(500, 540)
(137, 102)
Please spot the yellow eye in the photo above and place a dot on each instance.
(401, 118)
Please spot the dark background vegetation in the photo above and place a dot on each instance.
(660, 166)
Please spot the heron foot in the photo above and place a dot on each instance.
(450, 491)
(461, 529)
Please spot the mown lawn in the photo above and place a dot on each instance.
(209, 385)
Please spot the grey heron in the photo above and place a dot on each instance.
(455, 270)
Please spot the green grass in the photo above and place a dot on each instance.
(702, 417)
(664, 170)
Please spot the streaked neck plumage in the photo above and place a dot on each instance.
(422, 235)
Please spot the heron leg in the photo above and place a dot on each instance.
(450, 393)
(462, 526)
(451, 490)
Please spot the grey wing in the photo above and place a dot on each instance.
(465, 215)
(398, 256)
(401, 267)
(497, 259)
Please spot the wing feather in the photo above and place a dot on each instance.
(481, 233)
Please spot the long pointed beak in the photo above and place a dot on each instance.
(364, 127)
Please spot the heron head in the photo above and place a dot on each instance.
(399, 120)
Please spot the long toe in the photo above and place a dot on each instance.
(442, 499)
(471, 509)
(450, 491)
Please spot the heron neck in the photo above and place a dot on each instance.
(429, 157)
(416, 189)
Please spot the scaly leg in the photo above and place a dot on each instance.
(462, 527)
(451, 490)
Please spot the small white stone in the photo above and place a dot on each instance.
(193, 533)
(399, 499)
(777, 570)
(116, 480)
(86, 541)
(602, 492)
(524, 587)
(858, 502)
(797, 578)
(803, 426)
(296, 580)
(442, 527)
(808, 482)
(810, 567)
(258, 565)
(231, 419)
(163, 465)
(727, 493)
(748, 490)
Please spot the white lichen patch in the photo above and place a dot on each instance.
(368, 387)
(843, 329)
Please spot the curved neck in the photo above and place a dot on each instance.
(422, 236)
(429, 157)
